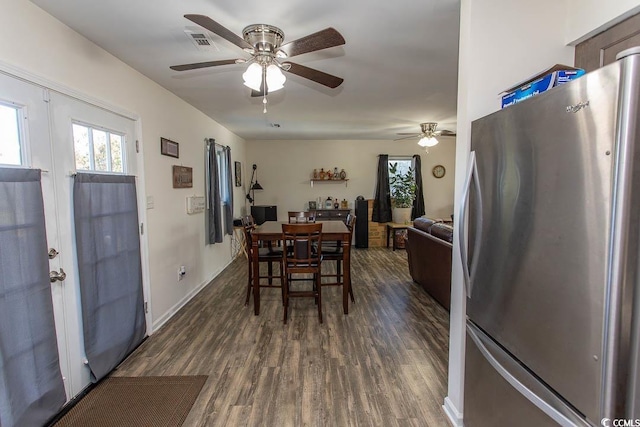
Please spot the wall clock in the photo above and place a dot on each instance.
(438, 171)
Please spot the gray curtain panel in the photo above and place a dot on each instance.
(228, 200)
(214, 218)
(31, 387)
(382, 200)
(418, 203)
(109, 267)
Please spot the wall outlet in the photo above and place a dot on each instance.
(181, 272)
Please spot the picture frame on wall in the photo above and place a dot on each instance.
(169, 148)
(182, 176)
(238, 173)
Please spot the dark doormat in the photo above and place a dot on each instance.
(136, 401)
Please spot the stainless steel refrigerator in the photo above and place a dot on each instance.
(552, 205)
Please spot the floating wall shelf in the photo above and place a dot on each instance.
(330, 180)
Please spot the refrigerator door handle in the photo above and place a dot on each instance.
(512, 372)
(472, 175)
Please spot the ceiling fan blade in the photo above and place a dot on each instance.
(214, 27)
(444, 133)
(195, 66)
(407, 137)
(409, 133)
(329, 37)
(315, 75)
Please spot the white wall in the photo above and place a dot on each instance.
(33, 41)
(586, 18)
(501, 43)
(285, 167)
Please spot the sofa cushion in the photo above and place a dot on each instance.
(423, 224)
(442, 231)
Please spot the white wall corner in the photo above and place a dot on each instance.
(455, 416)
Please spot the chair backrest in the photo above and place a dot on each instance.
(305, 243)
(351, 223)
(249, 224)
(248, 221)
(296, 217)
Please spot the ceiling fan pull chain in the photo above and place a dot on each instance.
(264, 89)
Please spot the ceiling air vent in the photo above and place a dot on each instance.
(200, 40)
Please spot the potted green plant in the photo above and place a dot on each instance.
(403, 191)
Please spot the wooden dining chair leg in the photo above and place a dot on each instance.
(338, 269)
(319, 299)
(315, 288)
(270, 272)
(249, 283)
(281, 266)
(353, 300)
(285, 296)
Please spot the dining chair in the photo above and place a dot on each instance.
(334, 251)
(269, 255)
(303, 258)
(301, 217)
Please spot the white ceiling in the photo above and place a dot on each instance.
(399, 62)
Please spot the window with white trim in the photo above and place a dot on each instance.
(404, 164)
(98, 150)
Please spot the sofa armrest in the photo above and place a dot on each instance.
(430, 264)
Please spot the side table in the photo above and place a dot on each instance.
(397, 231)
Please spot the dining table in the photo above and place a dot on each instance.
(271, 231)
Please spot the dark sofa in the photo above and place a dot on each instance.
(429, 246)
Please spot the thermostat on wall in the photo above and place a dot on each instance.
(195, 204)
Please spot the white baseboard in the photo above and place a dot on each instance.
(455, 416)
(157, 324)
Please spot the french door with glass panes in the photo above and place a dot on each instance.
(43, 129)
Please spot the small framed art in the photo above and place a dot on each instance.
(169, 148)
(238, 172)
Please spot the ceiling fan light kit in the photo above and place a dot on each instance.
(264, 43)
(275, 78)
(253, 76)
(427, 135)
(429, 141)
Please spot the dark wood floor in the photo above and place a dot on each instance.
(384, 364)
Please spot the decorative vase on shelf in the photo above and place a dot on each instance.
(322, 173)
(336, 174)
(343, 174)
(344, 204)
(336, 203)
(328, 204)
(315, 174)
(329, 175)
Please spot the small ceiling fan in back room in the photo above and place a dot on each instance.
(269, 55)
(428, 134)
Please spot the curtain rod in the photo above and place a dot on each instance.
(208, 142)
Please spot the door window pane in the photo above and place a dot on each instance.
(116, 153)
(100, 154)
(98, 149)
(10, 148)
(81, 147)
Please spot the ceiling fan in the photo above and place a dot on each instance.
(427, 135)
(269, 55)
